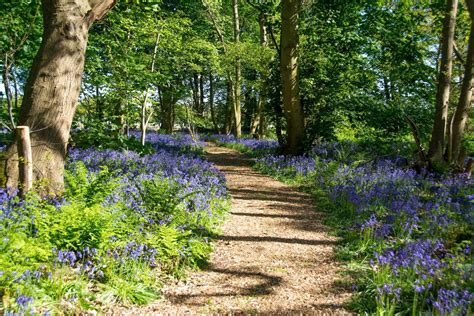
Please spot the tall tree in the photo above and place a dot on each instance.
(238, 71)
(53, 87)
(292, 108)
(461, 113)
(439, 132)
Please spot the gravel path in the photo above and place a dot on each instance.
(274, 257)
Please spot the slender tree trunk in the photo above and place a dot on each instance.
(98, 104)
(211, 103)
(201, 95)
(262, 99)
(53, 87)
(15, 88)
(195, 88)
(119, 115)
(167, 109)
(144, 117)
(289, 75)
(438, 135)
(254, 121)
(8, 92)
(229, 109)
(143, 120)
(238, 70)
(461, 114)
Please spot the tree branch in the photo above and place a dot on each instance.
(99, 11)
(216, 26)
(458, 54)
(416, 136)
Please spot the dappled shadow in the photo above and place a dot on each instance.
(276, 239)
(266, 215)
(264, 287)
(276, 195)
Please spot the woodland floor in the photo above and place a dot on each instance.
(274, 255)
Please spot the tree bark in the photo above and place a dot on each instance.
(229, 108)
(196, 91)
(438, 135)
(289, 76)
(238, 70)
(53, 87)
(262, 99)
(144, 117)
(8, 92)
(25, 158)
(167, 109)
(463, 107)
(201, 95)
(211, 103)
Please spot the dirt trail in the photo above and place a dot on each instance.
(274, 257)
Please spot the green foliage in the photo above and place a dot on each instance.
(88, 252)
(107, 136)
(89, 188)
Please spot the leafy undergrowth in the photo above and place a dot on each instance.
(126, 224)
(407, 237)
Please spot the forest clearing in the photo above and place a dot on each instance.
(221, 157)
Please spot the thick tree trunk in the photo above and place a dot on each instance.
(461, 114)
(438, 135)
(238, 70)
(289, 76)
(53, 88)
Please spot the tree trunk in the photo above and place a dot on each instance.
(262, 97)
(98, 104)
(53, 87)
(461, 114)
(229, 109)
(438, 135)
(201, 95)
(8, 93)
(143, 120)
(196, 96)
(289, 76)
(25, 158)
(211, 103)
(238, 70)
(167, 110)
(144, 117)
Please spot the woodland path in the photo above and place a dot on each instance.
(274, 256)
